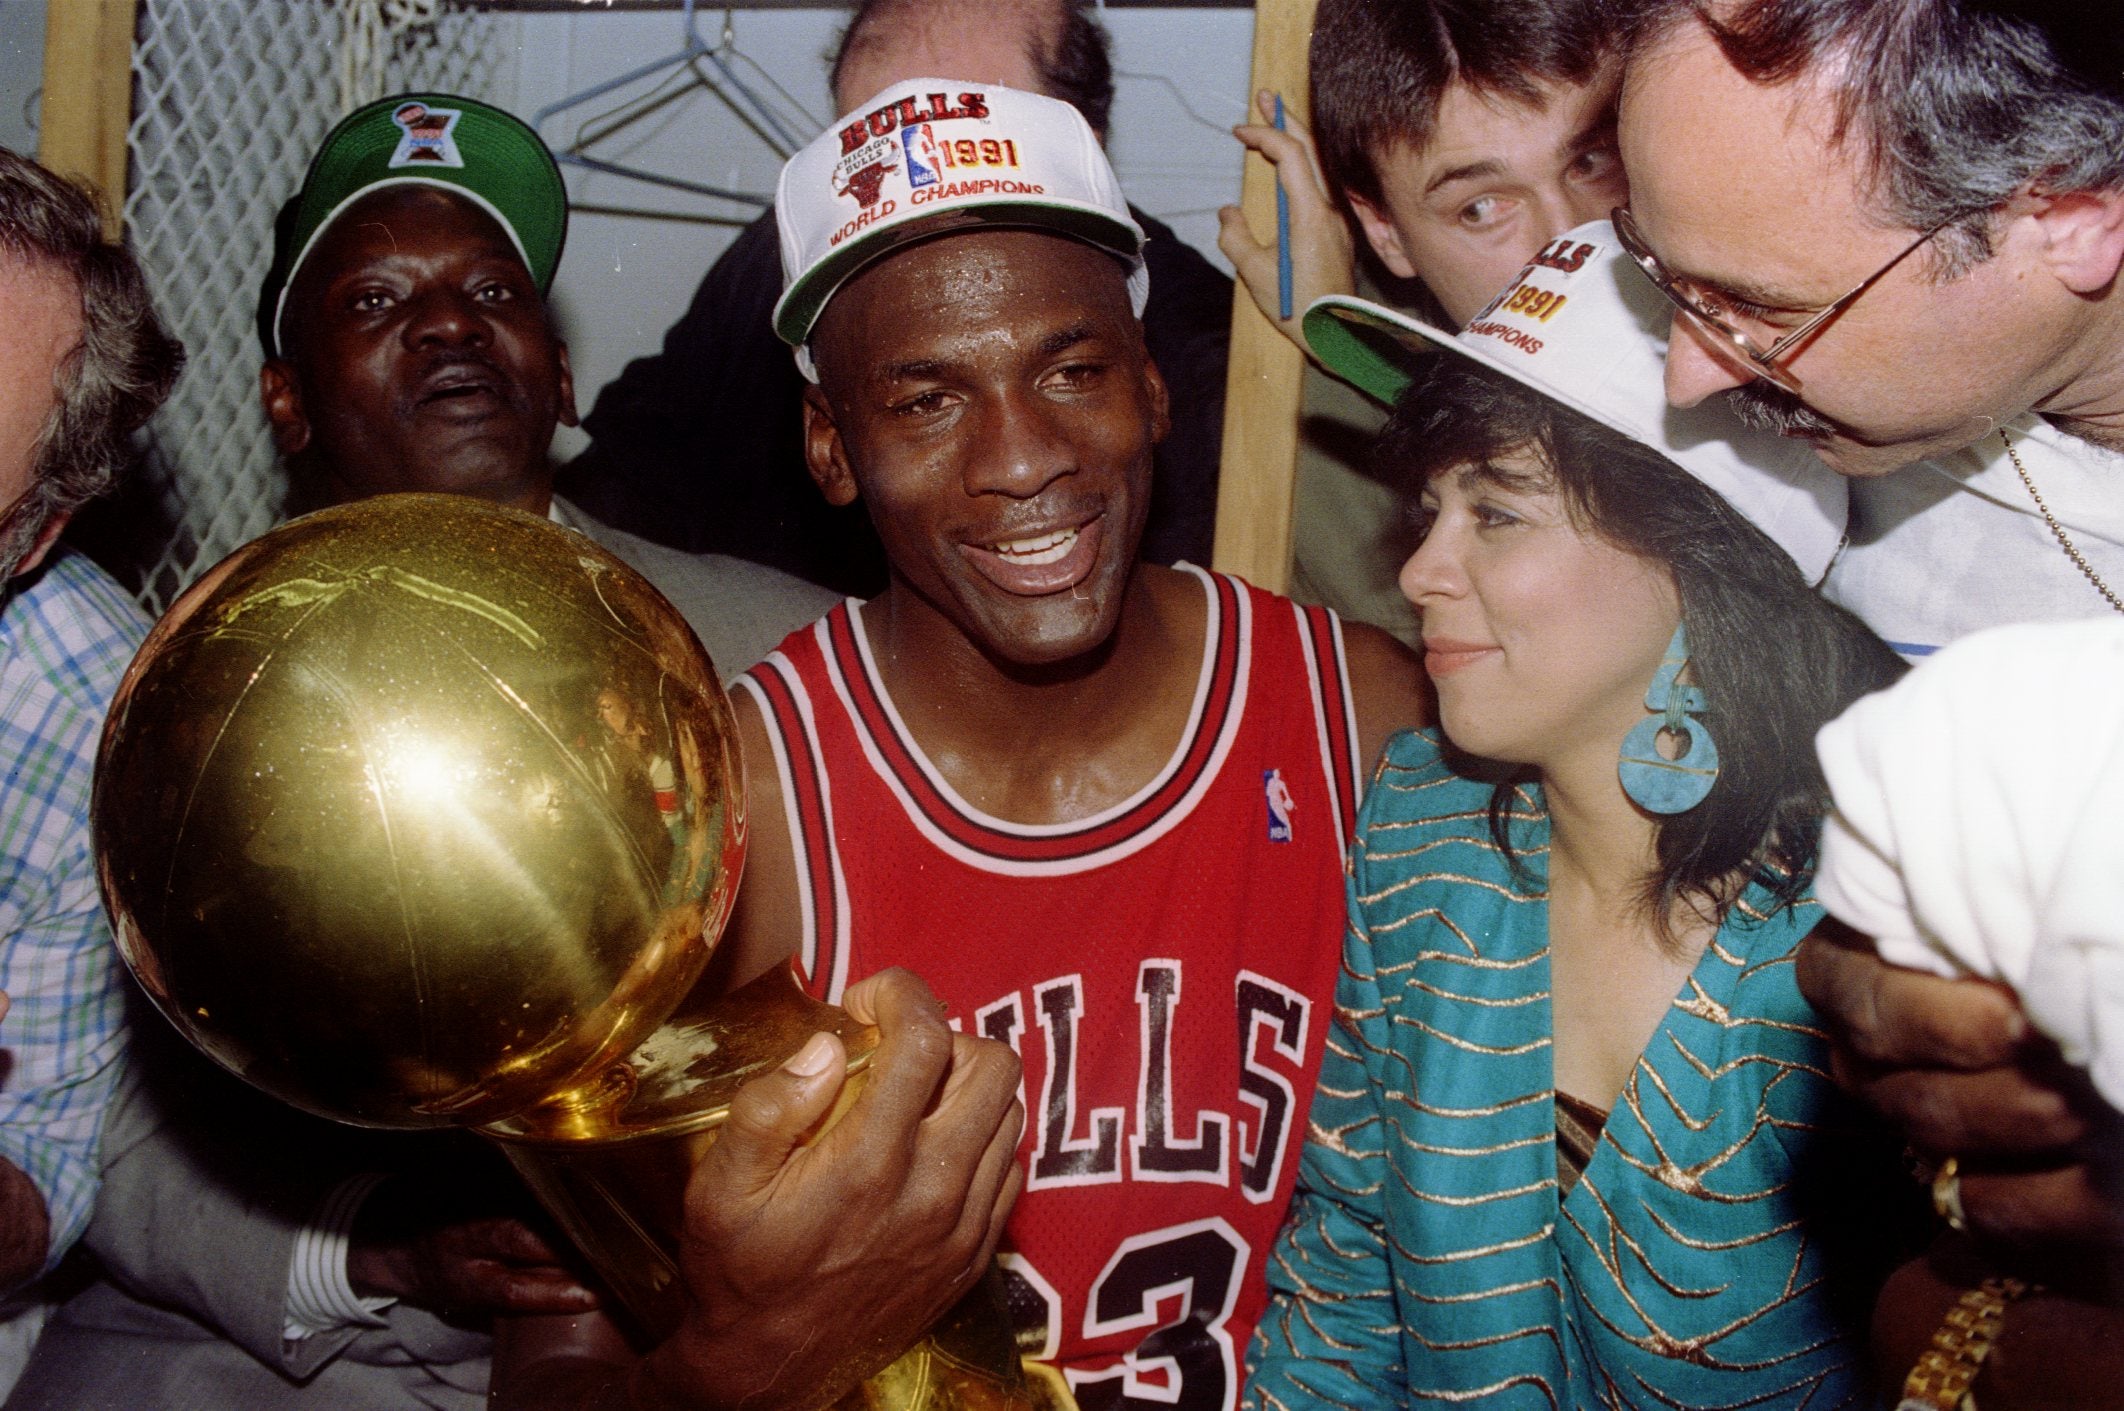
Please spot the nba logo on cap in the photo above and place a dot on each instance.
(924, 165)
(928, 154)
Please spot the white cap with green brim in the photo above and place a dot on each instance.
(929, 156)
(1583, 326)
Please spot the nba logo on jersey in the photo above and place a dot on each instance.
(924, 166)
(1280, 805)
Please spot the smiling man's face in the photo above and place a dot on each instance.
(420, 356)
(988, 395)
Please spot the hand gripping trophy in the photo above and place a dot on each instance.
(421, 812)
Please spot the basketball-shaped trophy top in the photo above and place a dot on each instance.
(419, 811)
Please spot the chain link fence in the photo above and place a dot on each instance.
(230, 98)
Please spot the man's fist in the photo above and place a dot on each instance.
(816, 1258)
(1954, 1064)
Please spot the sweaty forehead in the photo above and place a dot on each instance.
(939, 298)
(394, 218)
(393, 221)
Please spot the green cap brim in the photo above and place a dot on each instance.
(1371, 347)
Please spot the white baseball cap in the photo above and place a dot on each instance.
(934, 154)
(1583, 326)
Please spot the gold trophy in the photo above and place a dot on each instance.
(421, 812)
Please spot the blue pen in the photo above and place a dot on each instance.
(1283, 233)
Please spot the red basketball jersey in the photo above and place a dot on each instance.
(1165, 969)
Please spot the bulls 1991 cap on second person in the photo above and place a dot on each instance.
(429, 139)
(934, 154)
(1584, 326)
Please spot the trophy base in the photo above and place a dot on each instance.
(611, 1162)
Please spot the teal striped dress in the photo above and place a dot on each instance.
(1427, 1259)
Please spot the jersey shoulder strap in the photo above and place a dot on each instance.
(784, 686)
(1295, 642)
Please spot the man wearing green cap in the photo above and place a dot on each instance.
(375, 381)
(259, 1258)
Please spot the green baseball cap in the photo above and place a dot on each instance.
(423, 139)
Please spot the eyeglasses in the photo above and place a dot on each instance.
(1716, 322)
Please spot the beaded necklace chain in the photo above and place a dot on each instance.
(2064, 541)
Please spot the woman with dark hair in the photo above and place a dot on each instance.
(1575, 1141)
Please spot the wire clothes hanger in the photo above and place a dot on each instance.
(726, 82)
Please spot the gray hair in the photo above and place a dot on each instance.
(126, 363)
(1955, 104)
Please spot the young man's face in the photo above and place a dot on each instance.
(988, 395)
(420, 356)
(1497, 181)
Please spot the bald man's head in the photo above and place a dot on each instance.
(1041, 46)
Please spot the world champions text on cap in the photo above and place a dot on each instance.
(934, 154)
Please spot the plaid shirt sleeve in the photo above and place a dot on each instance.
(65, 639)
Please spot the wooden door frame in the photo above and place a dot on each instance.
(1265, 378)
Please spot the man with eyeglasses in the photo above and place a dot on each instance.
(1895, 230)
(83, 362)
(1892, 230)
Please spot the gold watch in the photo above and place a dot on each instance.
(1944, 1372)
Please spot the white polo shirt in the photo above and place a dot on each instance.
(1949, 546)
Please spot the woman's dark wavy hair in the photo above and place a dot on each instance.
(1775, 659)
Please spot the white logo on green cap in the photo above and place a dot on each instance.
(427, 141)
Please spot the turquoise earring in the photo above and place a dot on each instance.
(1654, 782)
